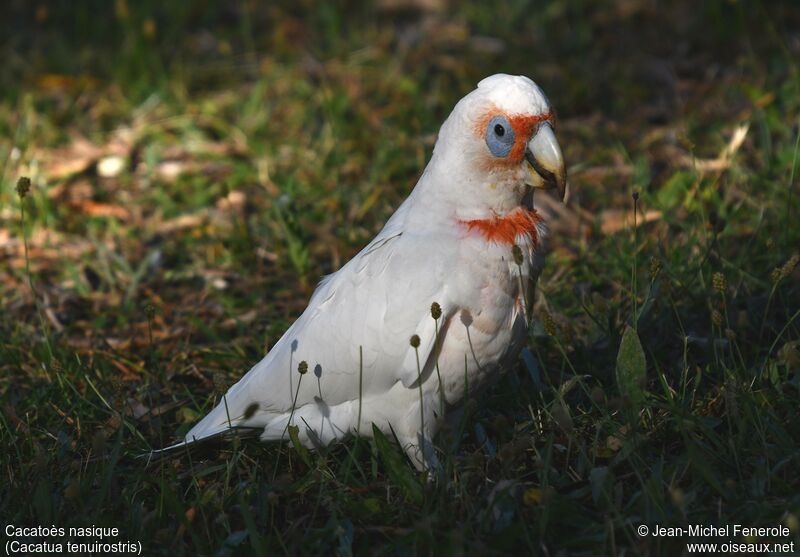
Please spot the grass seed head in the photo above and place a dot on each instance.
(23, 186)
(716, 317)
(414, 341)
(436, 310)
(719, 283)
(220, 385)
(548, 323)
(516, 251)
(655, 267)
(117, 393)
(789, 266)
(302, 367)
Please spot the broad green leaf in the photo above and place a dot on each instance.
(396, 467)
(631, 368)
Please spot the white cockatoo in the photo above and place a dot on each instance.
(436, 302)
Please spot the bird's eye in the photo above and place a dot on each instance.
(499, 136)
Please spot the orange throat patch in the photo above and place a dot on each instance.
(507, 228)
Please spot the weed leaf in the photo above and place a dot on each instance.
(631, 368)
(396, 467)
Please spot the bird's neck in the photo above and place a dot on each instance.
(453, 194)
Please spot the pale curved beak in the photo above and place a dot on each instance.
(546, 163)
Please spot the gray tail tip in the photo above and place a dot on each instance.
(185, 445)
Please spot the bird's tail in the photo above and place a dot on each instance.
(237, 414)
(187, 445)
(223, 422)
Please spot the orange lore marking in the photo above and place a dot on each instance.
(523, 130)
(506, 229)
(523, 125)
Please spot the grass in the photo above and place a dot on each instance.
(194, 172)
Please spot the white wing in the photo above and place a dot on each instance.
(357, 326)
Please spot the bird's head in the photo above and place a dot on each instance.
(497, 144)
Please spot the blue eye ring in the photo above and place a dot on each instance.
(500, 136)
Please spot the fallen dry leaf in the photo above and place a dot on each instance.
(95, 209)
(724, 159)
(67, 161)
(614, 220)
